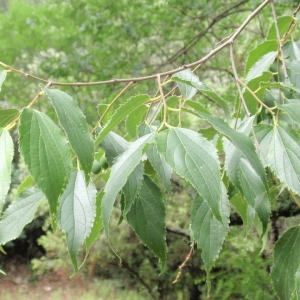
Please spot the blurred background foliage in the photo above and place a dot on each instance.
(93, 40)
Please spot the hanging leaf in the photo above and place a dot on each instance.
(19, 214)
(291, 49)
(279, 148)
(195, 159)
(283, 24)
(292, 109)
(47, 154)
(75, 126)
(147, 218)
(208, 232)
(286, 263)
(121, 113)
(278, 85)
(8, 115)
(2, 77)
(120, 171)
(187, 91)
(134, 119)
(77, 212)
(6, 156)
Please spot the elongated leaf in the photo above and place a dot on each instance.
(286, 263)
(147, 218)
(75, 126)
(297, 283)
(292, 109)
(242, 142)
(259, 51)
(6, 156)
(19, 214)
(279, 85)
(134, 120)
(121, 113)
(186, 90)
(194, 159)
(283, 24)
(196, 106)
(280, 148)
(254, 192)
(120, 171)
(77, 212)
(208, 232)
(8, 115)
(2, 78)
(46, 152)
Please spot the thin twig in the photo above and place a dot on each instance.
(164, 102)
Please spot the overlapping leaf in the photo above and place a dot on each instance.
(77, 212)
(208, 232)
(292, 109)
(283, 24)
(120, 171)
(194, 159)
(134, 119)
(147, 219)
(75, 126)
(19, 214)
(6, 156)
(46, 152)
(286, 263)
(8, 115)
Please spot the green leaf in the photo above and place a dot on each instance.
(259, 51)
(242, 142)
(163, 170)
(25, 184)
(254, 192)
(121, 113)
(19, 214)
(208, 232)
(292, 109)
(291, 50)
(47, 154)
(297, 283)
(147, 218)
(286, 263)
(283, 24)
(187, 91)
(261, 66)
(2, 78)
(121, 169)
(6, 156)
(134, 119)
(8, 115)
(279, 85)
(196, 160)
(77, 212)
(280, 149)
(102, 107)
(75, 126)
(196, 106)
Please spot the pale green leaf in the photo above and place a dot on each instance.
(242, 142)
(121, 113)
(208, 232)
(47, 154)
(107, 109)
(195, 159)
(77, 212)
(6, 156)
(278, 85)
(2, 78)
(134, 119)
(147, 218)
(283, 24)
(291, 50)
(261, 66)
(297, 283)
(75, 126)
(8, 115)
(280, 149)
(186, 90)
(286, 263)
(121, 169)
(292, 109)
(25, 184)
(196, 106)
(19, 214)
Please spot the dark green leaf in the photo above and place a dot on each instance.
(77, 212)
(47, 154)
(6, 156)
(75, 126)
(8, 115)
(19, 214)
(286, 263)
(196, 160)
(147, 219)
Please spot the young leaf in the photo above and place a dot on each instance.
(208, 232)
(6, 156)
(75, 126)
(147, 218)
(2, 78)
(77, 212)
(8, 115)
(196, 160)
(47, 154)
(134, 119)
(121, 169)
(121, 113)
(19, 214)
(186, 90)
(283, 24)
(286, 263)
(279, 147)
(242, 142)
